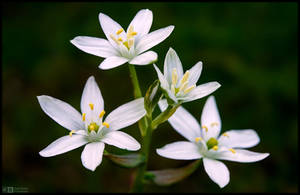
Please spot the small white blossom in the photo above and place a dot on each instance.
(89, 128)
(205, 141)
(182, 87)
(124, 46)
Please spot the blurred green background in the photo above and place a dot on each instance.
(250, 48)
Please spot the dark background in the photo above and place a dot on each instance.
(249, 48)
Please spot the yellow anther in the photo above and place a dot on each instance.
(205, 127)
(133, 33)
(183, 86)
(91, 106)
(115, 40)
(73, 131)
(119, 31)
(105, 124)
(101, 114)
(125, 43)
(198, 139)
(185, 77)
(189, 89)
(225, 134)
(214, 124)
(120, 39)
(232, 150)
(174, 76)
(83, 116)
(215, 148)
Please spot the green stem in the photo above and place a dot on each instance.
(135, 81)
(162, 117)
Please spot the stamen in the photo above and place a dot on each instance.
(130, 43)
(129, 32)
(198, 139)
(205, 127)
(73, 131)
(115, 40)
(182, 87)
(174, 76)
(101, 114)
(105, 124)
(83, 116)
(119, 31)
(214, 124)
(91, 106)
(173, 89)
(232, 150)
(225, 134)
(120, 39)
(126, 44)
(185, 77)
(133, 34)
(189, 89)
(215, 148)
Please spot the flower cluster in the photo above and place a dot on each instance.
(173, 88)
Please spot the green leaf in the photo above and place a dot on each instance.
(170, 176)
(127, 160)
(152, 97)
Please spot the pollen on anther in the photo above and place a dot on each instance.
(105, 124)
(119, 31)
(91, 106)
(115, 40)
(83, 116)
(225, 134)
(101, 114)
(215, 148)
(73, 131)
(232, 150)
(205, 127)
(197, 139)
(214, 124)
(189, 89)
(120, 39)
(185, 77)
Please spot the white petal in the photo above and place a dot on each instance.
(145, 58)
(150, 40)
(109, 27)
(112, 62)
(121, 140)
(172, 61)
(61, 112)
(195, 73)
(183, 122)
(126, 115)
(91, 95)
(163, 82)
(201, 91)
(63, 144)
(241, 155)
(141, 23)
(239, 139)
(91, 156)
(217, 171)
(95, 46)
(181, 150)
(210, 118)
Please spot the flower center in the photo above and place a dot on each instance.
(129, 42)
(182, 86)
(93, 127)
(212, 143)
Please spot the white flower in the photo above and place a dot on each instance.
(121, 46)
(182, 87)
(205, 142)
(88, 128)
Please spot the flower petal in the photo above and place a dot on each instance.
(195, 73)
(126, 115)
(210, 119)
(63, 144)
(95, 46)
(217, 171)
(150, 40)
(183, 122)
(141, 23)
(145, 58)
(62, 112)
(91, 156)
(239, 138)
(201, 91)
(91, 95)
(181, 150)
(172, 61)
(112, 62)
(163, 82)
(121, 140)
(241, 155)
(109, 27)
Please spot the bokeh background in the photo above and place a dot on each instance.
(250, 48)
